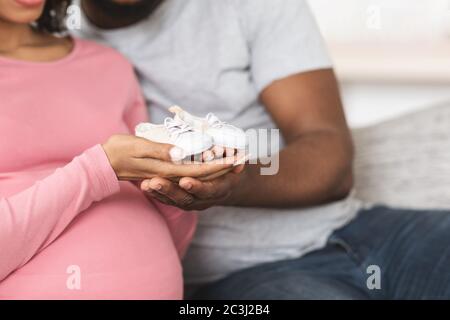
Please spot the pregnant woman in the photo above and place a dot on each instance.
(68, 228)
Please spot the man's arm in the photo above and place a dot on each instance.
(315, 166)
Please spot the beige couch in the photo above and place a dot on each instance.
(406, 161)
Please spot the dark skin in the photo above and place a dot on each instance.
(315, 165)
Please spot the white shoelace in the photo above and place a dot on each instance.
(176, 127)
(213, 121)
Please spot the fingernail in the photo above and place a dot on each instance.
(188, 186)
(158, 187)
(176, 154)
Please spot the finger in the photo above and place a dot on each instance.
(161, 198)
(171, 191)
(197, 205)
(150, 193)
(161, 151)
(204, 169)
(215, 175)
(168, 170)
(206, 190)
(156, 184)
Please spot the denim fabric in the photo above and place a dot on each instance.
(411, 248)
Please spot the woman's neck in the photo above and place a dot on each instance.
(22, 42)
(14, 35)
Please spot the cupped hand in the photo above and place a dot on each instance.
(134, 158)
(191, 193)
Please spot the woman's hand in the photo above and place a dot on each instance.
(134, 158)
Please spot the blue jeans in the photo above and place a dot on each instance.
(411, 249)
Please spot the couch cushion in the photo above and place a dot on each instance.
(406, 161)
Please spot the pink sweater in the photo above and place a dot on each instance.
(68, 228)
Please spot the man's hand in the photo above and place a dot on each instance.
(192, 194)
(315, 167)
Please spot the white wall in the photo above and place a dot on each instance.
(383, 20)
(368, 104)
(375, 24)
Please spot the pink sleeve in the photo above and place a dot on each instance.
(181, 223)
(32, 219)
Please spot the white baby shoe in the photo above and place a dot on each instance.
(223, 134)
(178, 133)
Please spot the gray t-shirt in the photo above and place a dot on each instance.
(217, 56)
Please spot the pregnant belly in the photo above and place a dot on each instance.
(119, 248)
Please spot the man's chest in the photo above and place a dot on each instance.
(200, 63)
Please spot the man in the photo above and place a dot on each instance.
(296, 234)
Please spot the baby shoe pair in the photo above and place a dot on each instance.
(194, 135)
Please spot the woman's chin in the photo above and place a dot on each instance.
(13, 11)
